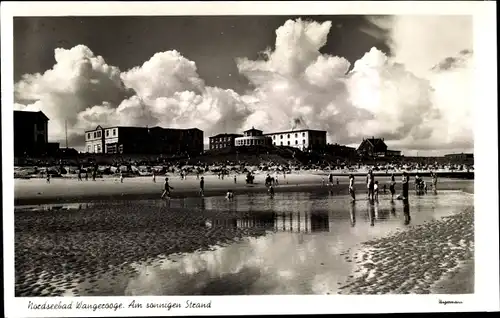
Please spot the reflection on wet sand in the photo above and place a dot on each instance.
(252, 245)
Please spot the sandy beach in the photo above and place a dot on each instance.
(37, 191)
(55, 252)
(426, 259)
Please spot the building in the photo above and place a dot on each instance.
(375, 147)
(340, 150)
(464, 158)
(144, 140)
(252, 137)
(306, 139)
(222, 141)
(30, 133)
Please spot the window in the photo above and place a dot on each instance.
(88, 136)
(98, 134)
(95, 135)
(274, 137)
(88, 148)
(288, 136)
(295, 135)
(114, 132)
(281, 143)
(107, 133)
(289, 142)
(296, 142)
(98, 148)
(281, 136)
(303, 141)
(303, 134)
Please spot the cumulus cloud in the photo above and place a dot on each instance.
(417, 99)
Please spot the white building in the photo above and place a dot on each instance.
(304, 139)
(252, 137)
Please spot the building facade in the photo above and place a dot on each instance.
(376, 147)
(143, 140)
(306, 139)
(222, 141)
(252, 137)
(30, 133)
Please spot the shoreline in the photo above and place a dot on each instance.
(32, 192)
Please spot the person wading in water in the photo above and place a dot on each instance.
(392, 187)
(352, 192)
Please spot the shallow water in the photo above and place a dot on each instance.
(301, 251)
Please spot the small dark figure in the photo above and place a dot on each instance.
(202, 186)
(166, 187)
(229, 194)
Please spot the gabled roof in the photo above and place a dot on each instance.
(377, 144)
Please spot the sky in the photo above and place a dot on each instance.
(406, 79)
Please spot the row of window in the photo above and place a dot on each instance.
(250, 142)
(221, 139)
(288, 135)
(288, 142)
(97, 134)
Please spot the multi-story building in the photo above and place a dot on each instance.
(222, 141)
(252, 137)
(143, 140)
(305, 139)
(30, 133)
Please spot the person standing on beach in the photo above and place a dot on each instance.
(121, 177)
(80, 174)
(392, 187)
(352, 191)
(48, 177)
(375, 191)
(434, 182)
(166, 189)
(234, 179)
(370, 183)
(154, 177)
(405, 182)
(202, 186)
(330, 179)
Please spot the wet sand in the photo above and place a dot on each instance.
(425, 259)
(37, 191)
(55, 252)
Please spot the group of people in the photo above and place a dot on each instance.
(373, 186)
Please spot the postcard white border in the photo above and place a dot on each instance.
(486, 297)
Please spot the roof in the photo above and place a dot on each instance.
(252, 129)
(25, 113)
(376, 143)
(226, 135)
(295, 131)
(140, 127)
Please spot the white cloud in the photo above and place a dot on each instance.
(400, 98)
